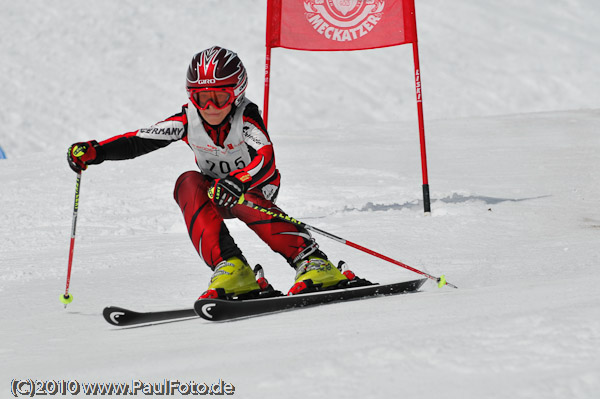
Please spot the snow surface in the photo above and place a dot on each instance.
(512, 107)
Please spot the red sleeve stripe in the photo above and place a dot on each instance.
(110, 140)
(262, 167)
(255, 166)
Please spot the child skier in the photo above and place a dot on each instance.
(235, 157)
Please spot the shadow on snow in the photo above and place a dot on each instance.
(454, 199)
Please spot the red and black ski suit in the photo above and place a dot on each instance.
(241, 141)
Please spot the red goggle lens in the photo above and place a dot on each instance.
(218, 98)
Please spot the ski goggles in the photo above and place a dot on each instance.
(219, 97)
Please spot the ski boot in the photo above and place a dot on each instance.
(316, 273)
(232, 278)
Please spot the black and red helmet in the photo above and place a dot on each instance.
(217, 69)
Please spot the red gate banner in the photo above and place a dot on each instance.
(340, 24)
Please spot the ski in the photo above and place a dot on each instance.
(122, 317)
(220, 309)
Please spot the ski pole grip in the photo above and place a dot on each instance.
(211, 195)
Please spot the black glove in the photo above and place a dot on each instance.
(80, 155)
(227, 192)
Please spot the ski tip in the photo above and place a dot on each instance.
(118, 316)
(66, 299)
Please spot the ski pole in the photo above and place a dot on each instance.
(67, 298)
(441, 281)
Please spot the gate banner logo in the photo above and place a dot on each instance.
(343, 20)
(344, 6)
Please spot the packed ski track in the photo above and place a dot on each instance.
(512, 113)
